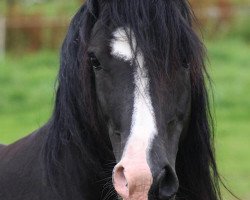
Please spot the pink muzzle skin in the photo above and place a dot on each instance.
(132, 177)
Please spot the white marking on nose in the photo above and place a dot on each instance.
(132, 175)
(143, 127)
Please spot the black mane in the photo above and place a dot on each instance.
(163, 30)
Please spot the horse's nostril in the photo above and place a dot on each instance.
(120, 177)
(132, 181)
(168, 184)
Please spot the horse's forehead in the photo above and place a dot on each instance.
(121, 46)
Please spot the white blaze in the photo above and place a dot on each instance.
(143, 127)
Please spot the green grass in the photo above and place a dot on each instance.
(49, 8)
(27, 89)
(230, 71)
(53, 8)
(27, 92)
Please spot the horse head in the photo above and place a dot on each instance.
(132, 84)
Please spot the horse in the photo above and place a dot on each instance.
(131, 118)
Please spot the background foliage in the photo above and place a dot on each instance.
(28, 73)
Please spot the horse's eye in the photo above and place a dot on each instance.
(94, 62)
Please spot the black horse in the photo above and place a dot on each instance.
(131, 117)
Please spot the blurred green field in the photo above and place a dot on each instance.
(27, 85)
(27, 89)
(48, 8)
(230, 71)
